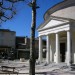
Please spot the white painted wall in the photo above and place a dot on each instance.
(73, 47)
(68, 12)
(73, 40)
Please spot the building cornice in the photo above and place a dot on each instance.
(6, 30)
(54, 26)
(54, 18)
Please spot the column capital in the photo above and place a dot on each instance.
(47, 34)
(57, 32)
(40, 35)
(68, 30)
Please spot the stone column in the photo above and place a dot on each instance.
(68, 58)
(57, 49)
(40, 49)
(48, 50)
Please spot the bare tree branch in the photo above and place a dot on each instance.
(3, 20)
(14, 0)
(6, 11)
(10, 9)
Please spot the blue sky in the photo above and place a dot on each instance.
(21, 22)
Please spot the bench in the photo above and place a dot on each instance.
(5, 69)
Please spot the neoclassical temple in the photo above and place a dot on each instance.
(59, 29)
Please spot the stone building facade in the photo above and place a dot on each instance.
(20, 45)
(23, 46)
(7, 41)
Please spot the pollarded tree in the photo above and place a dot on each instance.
(4, 17)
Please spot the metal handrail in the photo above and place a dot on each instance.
(19, 73)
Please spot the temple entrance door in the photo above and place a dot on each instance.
(62, 51)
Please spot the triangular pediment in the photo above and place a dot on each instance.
(52, 23)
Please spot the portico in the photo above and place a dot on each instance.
(58, 41)
(59, 29)
(55, 55)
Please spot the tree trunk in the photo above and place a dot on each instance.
(32, 40)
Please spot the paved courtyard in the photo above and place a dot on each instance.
(41, 68)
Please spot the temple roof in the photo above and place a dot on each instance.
(53, 21)
(66, 7)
